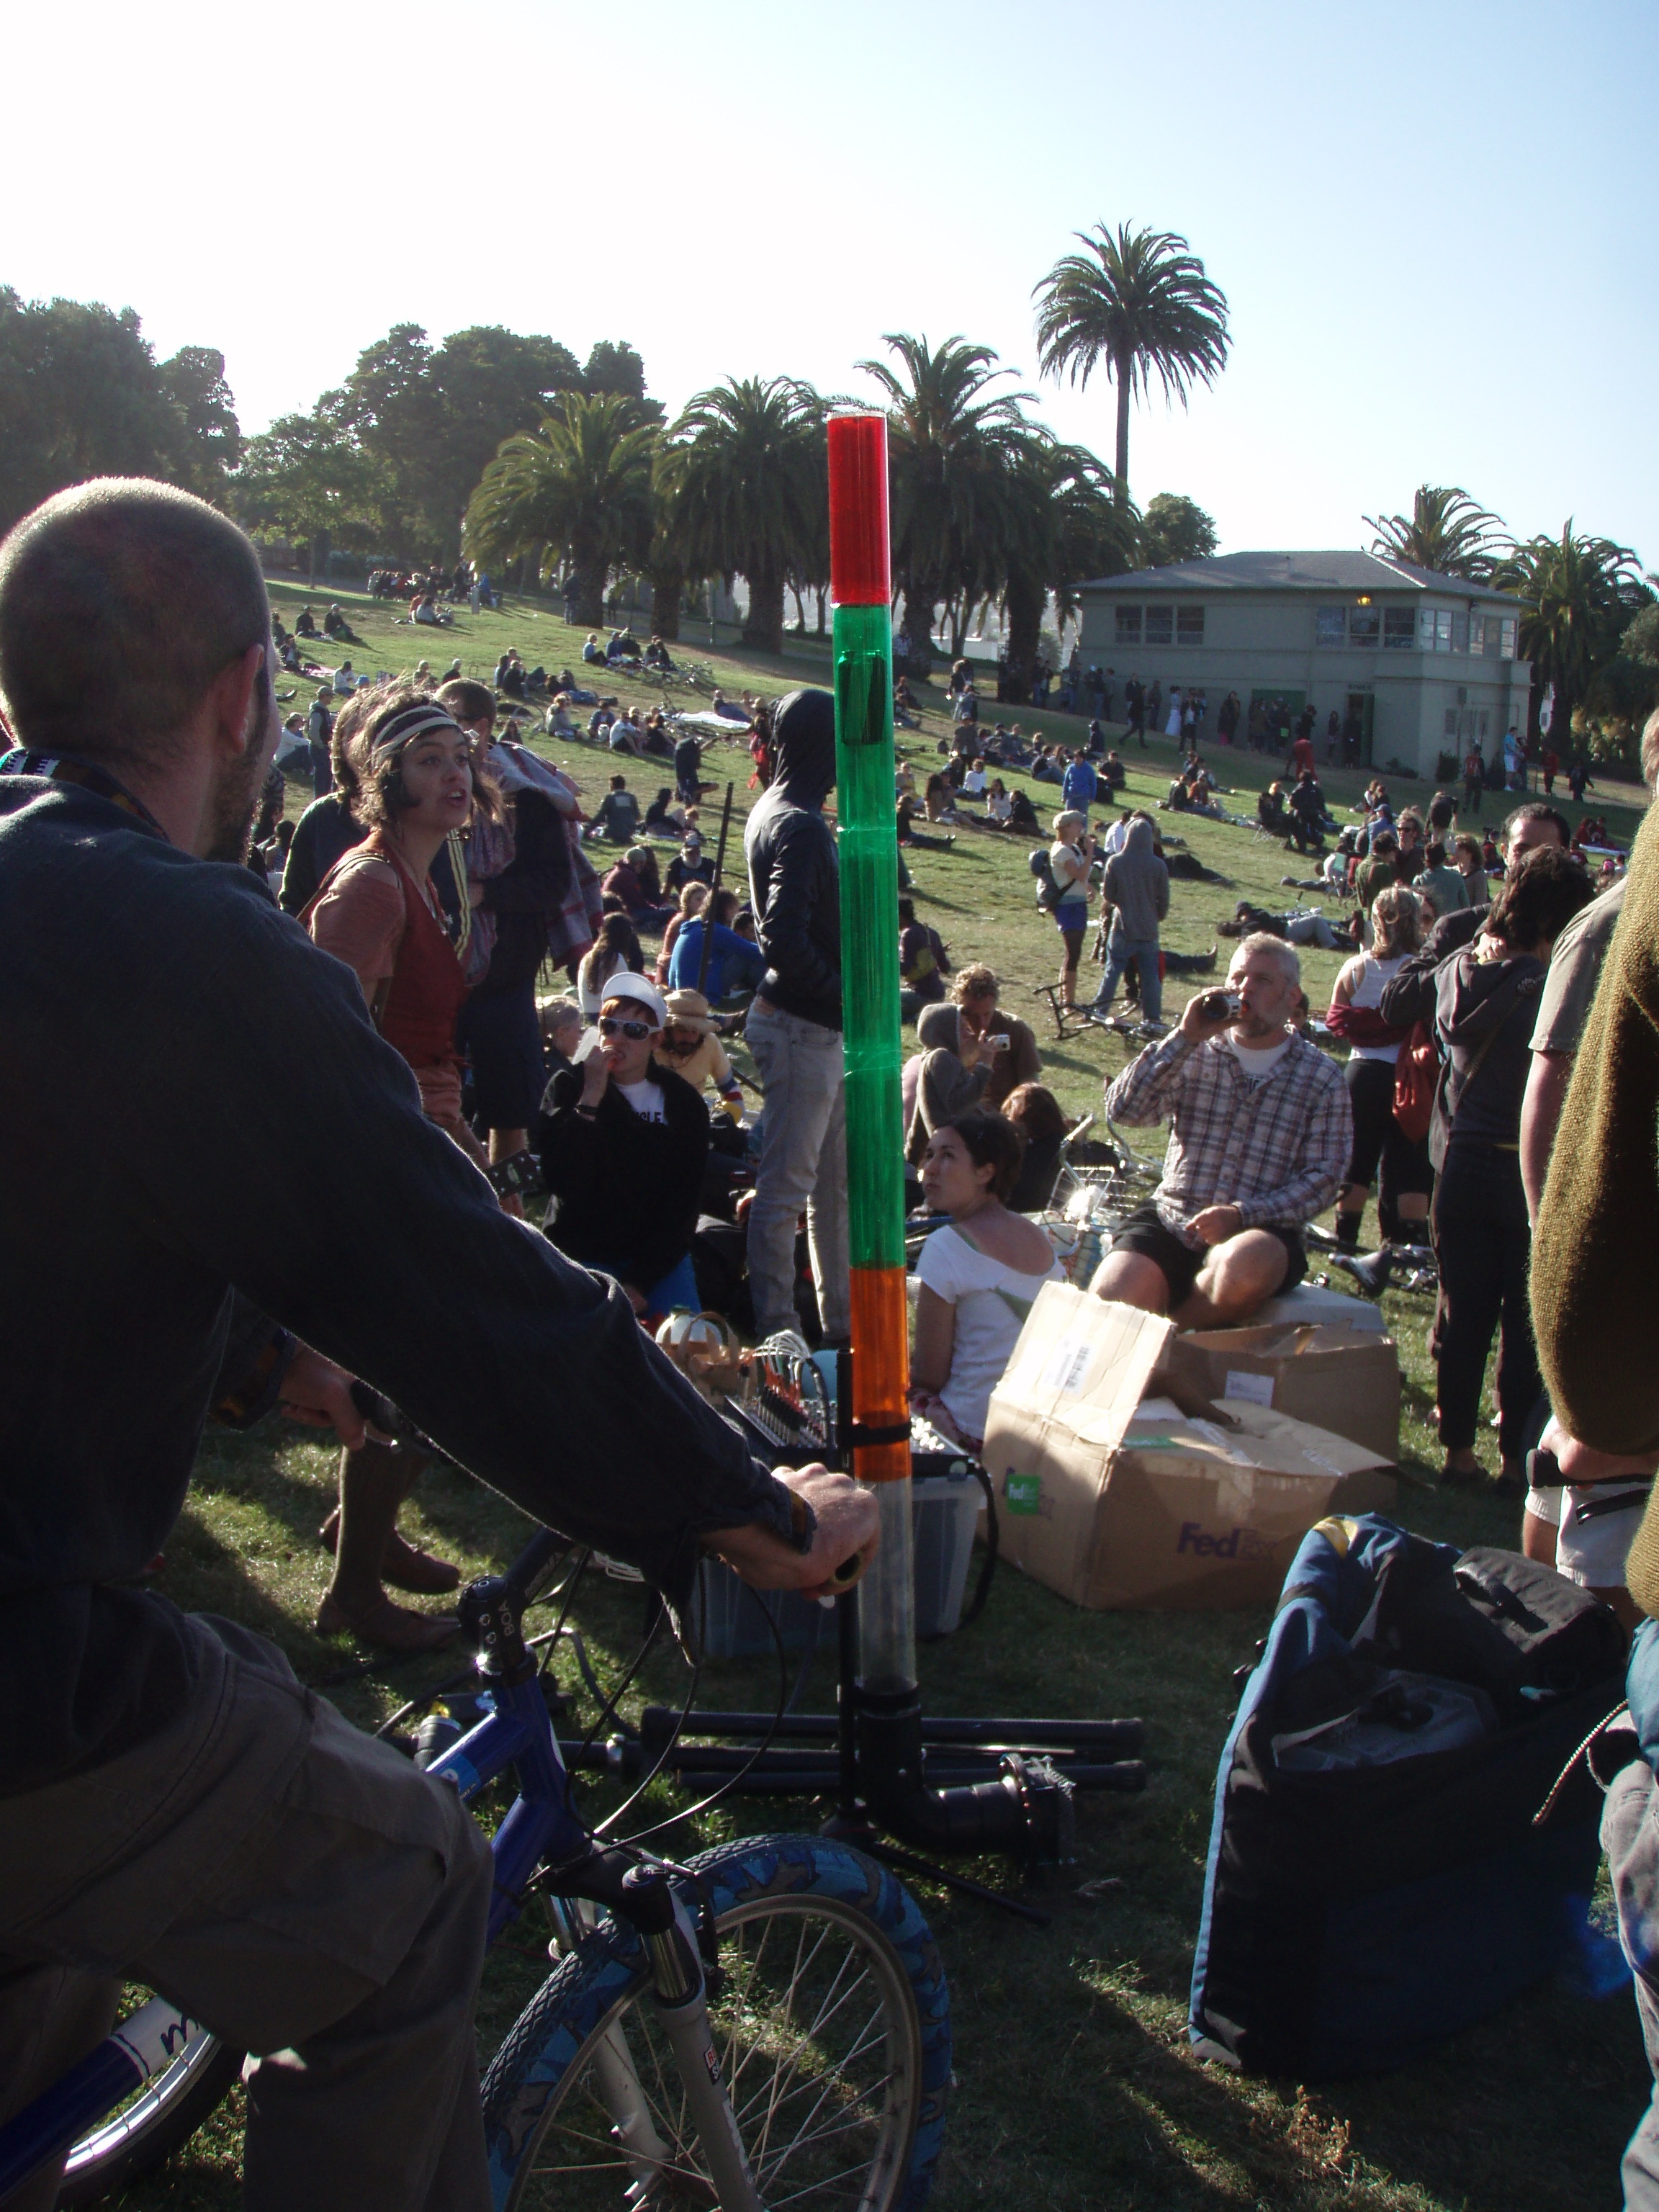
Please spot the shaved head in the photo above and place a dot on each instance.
(121, 602)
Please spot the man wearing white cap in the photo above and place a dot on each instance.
(624, 1140)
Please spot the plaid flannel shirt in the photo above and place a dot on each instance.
(1277, 1148)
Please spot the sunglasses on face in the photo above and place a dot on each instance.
(613, 1025)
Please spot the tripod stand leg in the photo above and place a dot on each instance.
(903, 1861)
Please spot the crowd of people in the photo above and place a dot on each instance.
(329, 1168)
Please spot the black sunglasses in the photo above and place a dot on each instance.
(613, 1025)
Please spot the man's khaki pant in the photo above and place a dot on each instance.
(803, 1165)
(302, 1889)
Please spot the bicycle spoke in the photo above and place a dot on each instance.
(803, 2137)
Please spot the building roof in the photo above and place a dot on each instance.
(1293, 572)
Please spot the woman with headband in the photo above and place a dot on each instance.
(378, 910)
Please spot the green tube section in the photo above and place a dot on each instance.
(863, 651)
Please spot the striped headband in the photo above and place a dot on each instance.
(416, 721)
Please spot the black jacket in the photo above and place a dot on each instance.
(793, 882)
(629, 1190)
(523, 896)
(1410, 995)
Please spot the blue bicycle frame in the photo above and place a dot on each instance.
(539, 1829)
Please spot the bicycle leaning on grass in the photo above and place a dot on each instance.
(766, 2025)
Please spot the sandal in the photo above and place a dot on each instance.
(393, 1627)
(402, 1564)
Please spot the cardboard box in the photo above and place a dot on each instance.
(1118, 1484)
(1344, 1380)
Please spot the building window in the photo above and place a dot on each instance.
(1128, 625)
(1160, 625)
(1477, 633)
(1364, 626)
(1399, 628)
(1330, 624)
(1451, 722)
(1436, 630)
(1189, 625)
(1506, 648)
(1460, 639)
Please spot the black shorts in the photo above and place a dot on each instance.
(1145, 1231)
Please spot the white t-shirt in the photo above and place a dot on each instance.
(992, 1301)
(1257, 1065)
(1368, 992)
(646, 1099)
(974, 782)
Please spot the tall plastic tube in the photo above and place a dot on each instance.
(863, 651)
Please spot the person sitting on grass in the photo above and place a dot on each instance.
(617, 817)
(562, 1026)
(690, 1046)
(923, 962)
(979, 1276)
(693, 898)
(628, 882)
(1036, 1113)
(622, 1141)
(1444, 887)
(735, 963)
(305, 624)
(1261, 1135)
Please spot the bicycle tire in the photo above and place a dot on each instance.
(538, 2092)
(154, 2124)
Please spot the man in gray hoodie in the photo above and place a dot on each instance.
(1136, 889)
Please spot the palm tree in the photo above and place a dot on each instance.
(1446, 532)
(742, 477)
(577, 489)
(1072, 527)
(954, 456)
(1138, 302)
(1581, 595)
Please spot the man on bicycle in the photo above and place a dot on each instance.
(222, 1195)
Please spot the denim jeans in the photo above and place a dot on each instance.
(1630, 1836)
(803, 1163)
(1142, 951)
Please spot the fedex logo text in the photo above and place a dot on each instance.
(1236, 1544)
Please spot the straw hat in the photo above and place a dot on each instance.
(689, 1010)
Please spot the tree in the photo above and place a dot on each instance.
(1137, 303)
(578, 489)
(432, 418)
(1175, 529)
(1580, 596)
(82, 395)
(615, 366)
(1069, 527)
(1446, 532)
(740, 477)
(309, 477)
(955, 454)
(194, 381)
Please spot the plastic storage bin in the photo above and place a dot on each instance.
(732, 1618)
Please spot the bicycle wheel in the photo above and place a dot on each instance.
(833, 2029)
(154, 2121)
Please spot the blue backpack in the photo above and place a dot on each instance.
(1376, 1879)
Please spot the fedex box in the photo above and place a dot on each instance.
(1118, 1485)
(1346, 1380)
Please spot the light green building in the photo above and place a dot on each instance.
(1414, 665)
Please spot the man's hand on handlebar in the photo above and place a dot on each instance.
(847, 1530)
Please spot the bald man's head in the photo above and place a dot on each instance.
(121, 602)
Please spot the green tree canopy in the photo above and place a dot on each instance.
(431, 418)
(1138, 304)
(82, 394)
(1174, 528)
(1068, 525)
(1445, 531)
(1581, 595)
(309, 477)
(578, 489)
(956, 451)
(742, 477)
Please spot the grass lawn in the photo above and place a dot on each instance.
(1075, 2088)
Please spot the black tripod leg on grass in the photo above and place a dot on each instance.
(908, 1862)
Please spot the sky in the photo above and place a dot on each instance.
(1435, 223)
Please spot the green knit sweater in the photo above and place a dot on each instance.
(1595, 1256)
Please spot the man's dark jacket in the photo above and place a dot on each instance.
(193, 1103)
(793, 882)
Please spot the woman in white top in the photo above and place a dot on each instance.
(1172, 726)
(1070, 857)
(978, 1277)
(1373, 1050)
